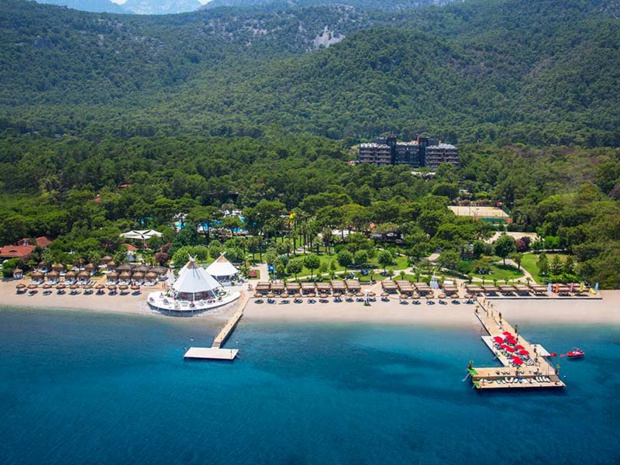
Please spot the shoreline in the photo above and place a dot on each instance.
(548, 311)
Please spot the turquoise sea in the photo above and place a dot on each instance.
(80, 388)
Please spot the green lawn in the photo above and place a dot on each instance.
(529, 263)
(500, 273)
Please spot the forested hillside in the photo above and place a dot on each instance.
(506, 70)
(111, 122)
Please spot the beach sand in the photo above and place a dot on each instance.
(548, 310)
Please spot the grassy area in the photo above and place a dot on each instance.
(500, 273)
(529, 263)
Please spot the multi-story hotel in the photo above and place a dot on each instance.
(422, 152)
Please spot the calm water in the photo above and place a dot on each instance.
(88, 389)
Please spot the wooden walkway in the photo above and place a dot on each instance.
(537, 373)
(215, 352)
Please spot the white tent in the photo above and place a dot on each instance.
(222, 269)
(143, 234)
(195, 283)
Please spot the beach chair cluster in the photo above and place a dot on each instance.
(341, 291)
(524, 290)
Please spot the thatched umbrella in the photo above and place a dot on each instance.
(90, 267)
(125, 275)
(323, 295)
(403, 296)
(58, 267)
(311, 294)
(100, 286)
(442, 296)
(297, 295)
(138, 275)
(106, 259)
(74, 286)
(32, 286)
(37, 275)
(429, 296)
(20, 286)
(111, 288)
(135, 287)
(123, 287)
(337, 294)
(88, 286)
(60, 286)
(258, 295)
(47, 286)
(84, 275)
(372, 294)
(111, 264)
(271, 295)
(385, 294)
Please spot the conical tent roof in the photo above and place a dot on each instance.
(222, 267)
(193, 279)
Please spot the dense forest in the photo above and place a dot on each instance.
(111, 122)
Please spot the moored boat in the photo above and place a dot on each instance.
(575, 353)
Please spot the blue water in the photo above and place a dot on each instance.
(78, 388)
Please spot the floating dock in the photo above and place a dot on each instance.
(536, 373)
(210, 353)
(216, 352)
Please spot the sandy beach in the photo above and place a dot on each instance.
(539, 310)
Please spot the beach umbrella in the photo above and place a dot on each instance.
(112, 287)
(135, 287)
(32, 286)
(258, 295)
(271, 295)
(73, 286)
(100, 286)
(510, 349)
(385, 294)
(60, 286)
(20, 286)
(123, 287)
(524, 352)
(47, 286)
(519, 347)
(498, 339)
(403, 296)
(372, 294)
(297, 295)
(517, 361)
(507, 333)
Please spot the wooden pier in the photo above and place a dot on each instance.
(538, 373)
(216, 352)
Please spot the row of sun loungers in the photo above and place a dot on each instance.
(335, 287)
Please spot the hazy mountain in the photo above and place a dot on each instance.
(93, 6)
(161, 7)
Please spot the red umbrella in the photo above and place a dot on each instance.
(498, 339)
(523, 352)
(510, 349)
(517, 361)
(507, 333)
(520, 347)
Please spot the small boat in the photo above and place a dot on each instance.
(575, 353)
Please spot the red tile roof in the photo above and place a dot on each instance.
(16, 251)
